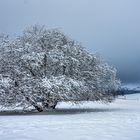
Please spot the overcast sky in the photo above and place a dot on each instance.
(109, 27)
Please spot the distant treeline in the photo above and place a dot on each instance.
(124, 91)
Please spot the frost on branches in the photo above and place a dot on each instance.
(43, 67)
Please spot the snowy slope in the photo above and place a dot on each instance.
(90, 121)
(132, 86)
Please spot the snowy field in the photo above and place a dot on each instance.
(92, 121)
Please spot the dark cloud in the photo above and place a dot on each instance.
(105, 26)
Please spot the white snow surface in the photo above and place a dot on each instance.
(91, 121)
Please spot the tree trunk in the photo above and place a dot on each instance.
(39, 109)
(35, 105)
(55, 103)
(53, 107)
(48, 106)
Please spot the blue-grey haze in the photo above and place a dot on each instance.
(109, 27)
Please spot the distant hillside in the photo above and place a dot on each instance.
(128, 90)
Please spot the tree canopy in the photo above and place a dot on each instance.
(43, 67)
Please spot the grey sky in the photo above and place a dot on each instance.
(110, 27)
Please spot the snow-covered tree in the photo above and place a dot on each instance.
(44, 66)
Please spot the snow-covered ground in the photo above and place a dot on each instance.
(91, 121)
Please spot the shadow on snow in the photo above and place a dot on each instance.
(60, 111)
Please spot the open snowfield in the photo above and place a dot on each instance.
(92, 121)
